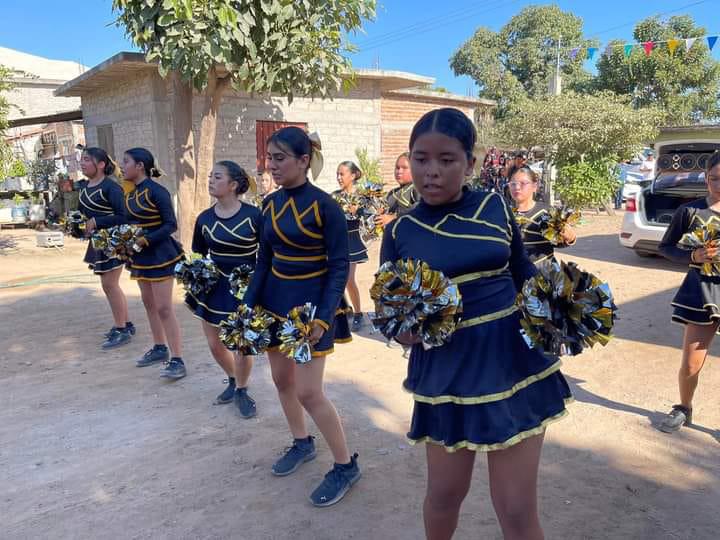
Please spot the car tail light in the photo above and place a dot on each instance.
(630, 204)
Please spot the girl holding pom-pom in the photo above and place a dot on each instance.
(228, 233)
(103, 201)
(529, 215)
(303, 258)
(149, 206)
(485, 390)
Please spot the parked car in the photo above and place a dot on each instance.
(682, 154)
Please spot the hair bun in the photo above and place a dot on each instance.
(155, 172)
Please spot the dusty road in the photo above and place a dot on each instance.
(92, 447)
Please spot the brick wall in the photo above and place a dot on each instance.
(399, 112)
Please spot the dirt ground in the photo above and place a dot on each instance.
(93, 447)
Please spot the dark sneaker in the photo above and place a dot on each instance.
(336, 483)
(244, 403)
(358, 322)
(302, 451)
(116, 338)
(157, 354)
(227, 394)
(678, 417)
(174, 369)
(129, 327)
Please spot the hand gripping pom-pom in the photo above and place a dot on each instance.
(553, 223)
(704, 236)
(565, 309)
(74, 224)
(294, 334)
(198, 275)
(411, 297)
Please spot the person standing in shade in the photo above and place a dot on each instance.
(403, 198)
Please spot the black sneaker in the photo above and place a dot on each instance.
(244, 403)
(129, 327)
(336, 483)
(302, 451)
(174, 369)
(678, 417)
(159, 353)
(358, 322)
(116, 338)
(227, 394)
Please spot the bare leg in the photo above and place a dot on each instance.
(449, 477)
(352, 289)
(156, 326)
(513, 488)
(695, 349)
(283, 374)
(162, 292)
(243, 367)
(220, 353)
(110, 282)
(309, 384)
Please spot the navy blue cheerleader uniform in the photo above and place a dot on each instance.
(538, 247)
(149, 206)
(303, 257)
(698, 298)
(230, 242)
(357, 248)
(105, 203)
(485, 390)
(402, 199)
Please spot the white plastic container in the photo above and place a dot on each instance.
(50, 238)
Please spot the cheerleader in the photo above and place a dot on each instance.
(347, 176)
(228, 233)
(696, 303)
(150, 207)
(485, 391)
(403, 198)
(523, 187)
(102, 201)
(303, 257)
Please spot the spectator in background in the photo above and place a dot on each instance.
(648, 167)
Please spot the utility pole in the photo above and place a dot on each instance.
(555, 90)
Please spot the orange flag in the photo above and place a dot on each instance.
(672, 45)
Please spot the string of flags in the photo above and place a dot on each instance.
(648, 46)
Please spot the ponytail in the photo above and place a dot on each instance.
(142, 155)
(98, 155)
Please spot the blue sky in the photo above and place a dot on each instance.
(409, 35)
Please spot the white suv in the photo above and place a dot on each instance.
(682, 154)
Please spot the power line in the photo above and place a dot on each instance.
(430, 25)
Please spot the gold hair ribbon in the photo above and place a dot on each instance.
(316, 159)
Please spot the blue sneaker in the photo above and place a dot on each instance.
(244, 403)
(174, 369)
(116, 338)
(159, 353)
(227, 394)
(129, 327)
(336, 483)
(302, 451)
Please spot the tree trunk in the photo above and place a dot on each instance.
(184, 156)
(206, 144)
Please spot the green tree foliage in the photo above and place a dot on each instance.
(518, 62)
(289, 47)
(370, 167)
(17, 169)
(6, 156)
(685, 84)
(584, 135)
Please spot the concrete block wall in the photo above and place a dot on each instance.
(399, 112)
(35, 98)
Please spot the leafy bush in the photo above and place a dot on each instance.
(587, 183)
(369, 167)
(18, 169)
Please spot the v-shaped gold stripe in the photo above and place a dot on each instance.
(298, 217)
(87, 201)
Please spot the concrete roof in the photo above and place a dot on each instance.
(41, 68)
(445, 96)
(122, 64)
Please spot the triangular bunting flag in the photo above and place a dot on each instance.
(711, 41)
(648, 46)
(689, 42)
(573, 53)
(608, 50)
(672, 45)
(591, 52)
(628, 49)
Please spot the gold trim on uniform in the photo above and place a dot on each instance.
(299, 276)
(299, 258)
(464, 278)
(481, 319)
(151, 266)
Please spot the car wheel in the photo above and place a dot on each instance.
(644, 253)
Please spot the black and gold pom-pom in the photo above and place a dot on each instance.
(240, 280)
(247, 330)
(565, 309)
(705, 236)
(197, 275)
(411, 297)
(294, 334)
(555, 221)
(120, 241)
